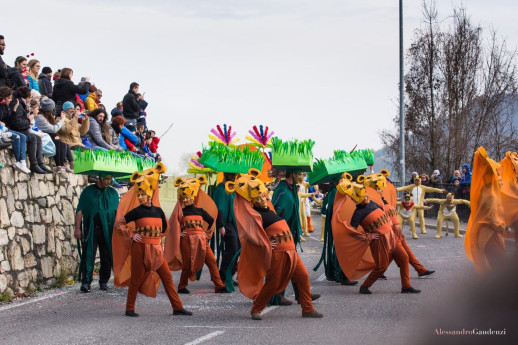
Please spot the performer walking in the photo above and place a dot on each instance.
(140, 233)
(95, 217)
(267, 248)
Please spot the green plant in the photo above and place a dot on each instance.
(6, 296)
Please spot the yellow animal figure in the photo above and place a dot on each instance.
(418, 192)
(148, 179)
(448, 211)
(190, 186)
(407, 211)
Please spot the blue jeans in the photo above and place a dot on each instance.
(133, 121)
(19, 145)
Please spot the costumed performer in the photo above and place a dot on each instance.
(380, 183)
(484, 241)
(268, 257)
(509, 192)
(418, 192)
(407, 212)
(139, 261)
(192, 222)
(366, 226)
(448, 211)
(95, 217)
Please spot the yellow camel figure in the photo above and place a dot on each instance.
(407, 211)
(448, 211)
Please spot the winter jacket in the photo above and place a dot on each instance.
(44, 125)
(130, 105)
(466, 177)
(4, 72)
(15, 79)
(95, 136)
(436, 181)
(129, 145)
(5, 112)
(91, 102)
(126, 134)
(114, 139)
(65, 90)
(18, 121)
(33, 83)
(45, 85)
(72, 131)
(154, 144)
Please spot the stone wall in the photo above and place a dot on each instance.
(37, 214)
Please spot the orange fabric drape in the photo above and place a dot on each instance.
(509, 190)
(256, 252)
(390, 194)
(172, 251)
(353, 252)
(121, 247)
(487, 213)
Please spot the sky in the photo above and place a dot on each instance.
(326, 70)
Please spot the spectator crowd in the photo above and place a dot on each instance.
(44, 113)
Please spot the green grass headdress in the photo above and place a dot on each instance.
(115, 163)
(327, 170)
(293, 155)
(231, 159)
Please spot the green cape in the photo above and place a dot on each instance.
(93, 201)
(329, 258)
(286, 202)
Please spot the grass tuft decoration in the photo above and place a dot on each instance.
(327, 170)
(292, 155)
(115, 163)
(231, 159)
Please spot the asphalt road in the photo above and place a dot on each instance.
(68, 316)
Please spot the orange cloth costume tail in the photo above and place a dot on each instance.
(484, 241)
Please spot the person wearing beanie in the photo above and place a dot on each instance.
(44, 82)
(436, 178)
(68, 105)
(47, 123)
(72, 131)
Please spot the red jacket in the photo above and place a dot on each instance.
(154, 144)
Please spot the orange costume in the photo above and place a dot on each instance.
(363, 234)
(188, 248)
(484, 241)
(263, 271)
(138, 258)
(509, 191)
(387, 191)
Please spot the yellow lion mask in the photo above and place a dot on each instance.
(190, 186)
(249, 186)
(355, 190)
(377, 181)
(148, 179)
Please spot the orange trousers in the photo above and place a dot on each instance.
(279, 268)
(210, 261)
(382, 258)
(310, 226)
(412, 260)
(138, 271)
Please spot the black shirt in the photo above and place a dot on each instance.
(362, 211)
(195, 211)
(269, 217)
(146, 212)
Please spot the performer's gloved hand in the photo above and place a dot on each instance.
(273, 243)
(183, 234)
(137, 238)
(373, 236)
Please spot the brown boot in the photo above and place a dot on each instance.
(284, 301)
(256, 316)
(314, 314)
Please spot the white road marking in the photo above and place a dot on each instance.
(205, 337)
(10, 306)
(313, 238)
(219, 327)
(269, 309)
(321, 278)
